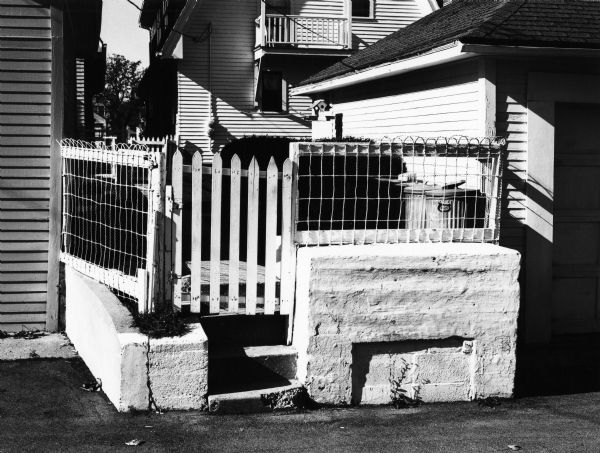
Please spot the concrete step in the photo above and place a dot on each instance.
(237, 330)
(243, 368)
(265, 399)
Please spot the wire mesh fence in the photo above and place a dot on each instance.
(409, 190)
(108, 213)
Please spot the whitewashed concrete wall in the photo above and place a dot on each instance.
(133, 369)
(445, 312)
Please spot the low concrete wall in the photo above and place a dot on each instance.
(134, 370)
(438, 321)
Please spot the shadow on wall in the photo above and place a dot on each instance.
(565, 362)
(225, 67)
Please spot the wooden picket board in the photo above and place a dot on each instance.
(169, 250)
(215, 234)
(234, 234)
(287, 247)
(196, 233)
(252, 238)
(177, 224)
(271, 238)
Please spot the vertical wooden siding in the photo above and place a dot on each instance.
(25, 76)
(431, 103)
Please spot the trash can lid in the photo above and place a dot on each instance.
(435, 191)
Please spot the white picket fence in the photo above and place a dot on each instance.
(217, 285)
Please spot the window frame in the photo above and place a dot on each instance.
(371, 11)
(283, 94)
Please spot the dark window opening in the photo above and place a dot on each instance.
(279, 7)
(362, 8)
(274, 92)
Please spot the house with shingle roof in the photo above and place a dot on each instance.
(221, 70)
(526, 70)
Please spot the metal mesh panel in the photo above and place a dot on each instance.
(106, 201)
(410, 190)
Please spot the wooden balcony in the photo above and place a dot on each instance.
(290, 34)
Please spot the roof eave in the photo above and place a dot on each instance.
(171, 43)
(440, 55)
(527, 51)
(437, 56)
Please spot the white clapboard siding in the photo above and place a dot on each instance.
(511, 122)
(425, 105)
(389, 16)
(232, 78)
(25, 74)
(319, 8)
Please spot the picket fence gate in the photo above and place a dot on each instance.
(232, 286)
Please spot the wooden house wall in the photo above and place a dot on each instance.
(389, 16)
(232, 80)
(318, 8)
(439, 102)
(25, 89)
(233, 72)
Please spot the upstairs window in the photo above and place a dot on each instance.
(279, 7)
(272, 92)
(363, 9)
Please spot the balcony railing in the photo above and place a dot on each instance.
(303, 31)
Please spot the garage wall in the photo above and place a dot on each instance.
(430, 103)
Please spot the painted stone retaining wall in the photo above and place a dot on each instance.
(438, 321)
(135, 371)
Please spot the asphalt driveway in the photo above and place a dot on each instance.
(43, 408)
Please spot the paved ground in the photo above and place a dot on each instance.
(42, 408)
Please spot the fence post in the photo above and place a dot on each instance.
(288, 247)
(169, 241)
(196, 277)
(177, 239)
(155, 241)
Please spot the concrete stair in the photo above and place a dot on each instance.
(266, 399)
(247, 379)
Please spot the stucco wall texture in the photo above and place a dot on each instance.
(136, 372)
(436, 320)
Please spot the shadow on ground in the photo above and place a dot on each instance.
(569, 364)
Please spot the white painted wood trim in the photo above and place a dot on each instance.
(440, 55)
(487, 97)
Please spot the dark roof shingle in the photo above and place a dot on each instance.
(552, 23)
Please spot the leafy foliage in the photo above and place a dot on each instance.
(166, 323)
(122, 106)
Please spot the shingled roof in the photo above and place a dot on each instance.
(544, 23)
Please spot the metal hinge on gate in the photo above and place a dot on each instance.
(173, 277)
